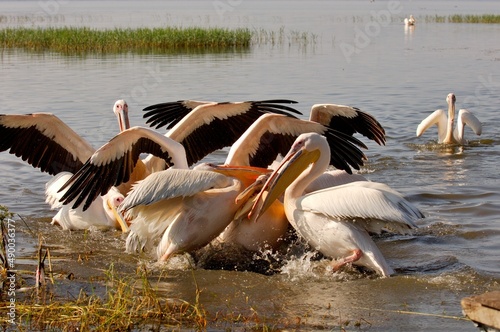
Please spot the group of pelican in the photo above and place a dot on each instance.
(410, 21)
(161, 202)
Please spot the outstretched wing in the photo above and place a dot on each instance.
(466, 118)
(172, 183)
(438, 118)
(273, 135)
(43, 141)
(213, 126)
(349, 120)
(113, 163)
(170, 113)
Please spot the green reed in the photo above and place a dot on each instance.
(72, 40)
(486, 18)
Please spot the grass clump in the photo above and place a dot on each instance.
(5, 213)
(130, 302)
(485, 19)
(78, 41)
(75, 40)
(474, 18)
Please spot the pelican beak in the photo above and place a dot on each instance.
(122, 115)
(289, 169)
(246, 174)
(248, 196)
(119, 219)
(253, 188)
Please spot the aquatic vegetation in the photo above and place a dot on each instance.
(474, 18)
(5, 213)
(74, 41)
(5, 258)
(71, 40)
(266, 37)
(130, 301)
(486, 18)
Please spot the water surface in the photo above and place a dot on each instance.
(400, 76)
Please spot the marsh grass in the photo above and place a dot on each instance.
(76, 41)
(69, 40)
(486, 19)
(5, 213)
(130, 302)
(111, 301)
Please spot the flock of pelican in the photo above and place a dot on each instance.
(410, 21)
(277, 173)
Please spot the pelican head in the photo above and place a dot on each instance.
(305, 151)
(120, 108)
(111, 202)
(451, 99)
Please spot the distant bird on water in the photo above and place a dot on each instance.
(446, 133)
(410, 21)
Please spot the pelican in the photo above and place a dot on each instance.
(446, 133)
(272, 135)
(409, 21)
(269, 233)
(181, 210)
(325, 217)
(201, 127)
(47, 143)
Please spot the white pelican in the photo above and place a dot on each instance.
(410, 21)
(325, 217)
(268, 233)
(184, 208)
(46, 142)
(272, 135)
(201, 127)
(446, 133)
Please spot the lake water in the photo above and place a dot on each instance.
(348, 52)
